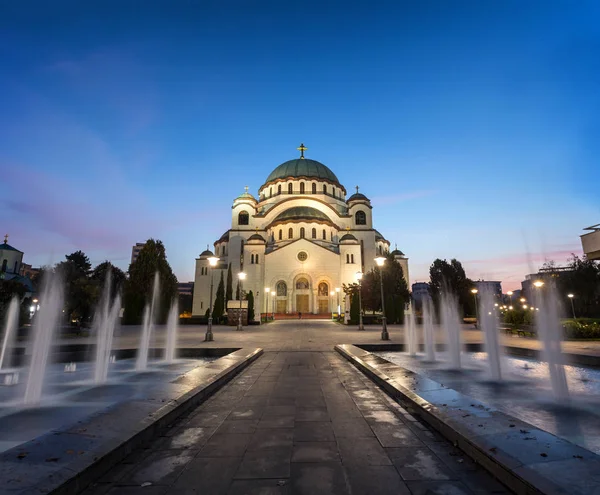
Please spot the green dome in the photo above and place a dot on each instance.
(301, 213)
(303, 167)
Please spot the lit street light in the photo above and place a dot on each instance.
(241, 277)
(509, 294)
(522, 299)
(380, 260)
(212, 262)
(273, 299)
(358, 277)
(337, 289)
(538, 283)
(474, 292)
(267, 291)
(571, 296)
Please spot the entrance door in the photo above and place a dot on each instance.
(323, 306)
(302, 303)
(281, 306)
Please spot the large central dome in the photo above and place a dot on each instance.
(303, 167)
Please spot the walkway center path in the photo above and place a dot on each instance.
(298, 422)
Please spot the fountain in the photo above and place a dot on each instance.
(147, 326)
(451, 324)
(45, 322)
(411, 334)
(105, 322)
(489, 324)
(550, 331)
(12, 321)
(172, 326)
(428, 332)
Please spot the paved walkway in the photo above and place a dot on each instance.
(298, 423)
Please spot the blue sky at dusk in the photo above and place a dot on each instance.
(472, 126)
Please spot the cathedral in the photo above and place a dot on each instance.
(297, 243)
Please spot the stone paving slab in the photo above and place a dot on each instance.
(69, 459)
(327, 431)
(523, 457)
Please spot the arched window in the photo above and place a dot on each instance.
(270, 192)
(347, 258)
(360, 218)
(302, 283)
(243, 218)
(302, 232)
(314, 188)
(256, 259)
(280, 234)
(314, 233)
(324, 235)
(16, 266)
(281, 288)
(324, 189)
(290, 233)
(251, 259)
(351, 258)
(290, 188)
(301, 187)
(223, 250)
(323, 289)
(279, 189)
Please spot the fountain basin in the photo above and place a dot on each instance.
(97, 433)
(525, 458)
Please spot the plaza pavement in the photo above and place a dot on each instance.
(298, 421)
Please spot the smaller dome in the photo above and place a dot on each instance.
(206, 253)
(397, 252)
(348, 237)
(296, 213)
(378, 236)
(223, 238)
(256, 237)
(246, 195)
(358, 197)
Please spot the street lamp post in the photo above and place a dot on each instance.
(571, 296)
(360, 315)
(337, 289)
(273, 302)
(241, 277)
(380, 260)
(212, 261)
(474, 292)
(509, 294)
(267, 291)
(332, 293)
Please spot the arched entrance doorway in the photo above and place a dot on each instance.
(302, 295)
(281, 301)
(323, 298)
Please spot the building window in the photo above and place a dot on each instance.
(279, 189)
(302, 284)
(281, 288)
(16, 266)
(331, 235)
(290, 188)
(352, 258)
(314, 233)
(302, 232)
(314, 188)
(270, 192)
(290, 233)
(243, 218)
(302, 256)
(256, 259)
(201, 304)
(251, 259)
(324, 235)
(360, 218)
(4, 263)
(347, 258)
(301, 187)
(280, 234)
(223, 250)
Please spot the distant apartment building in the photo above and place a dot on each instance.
(27, 270)
(185, 288)
(493, 286)
(590, 242)
(544, 275)
(135, 251)
(420, 291)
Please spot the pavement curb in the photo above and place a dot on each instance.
(145, 419)
(545, 465)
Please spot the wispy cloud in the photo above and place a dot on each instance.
(402, 197)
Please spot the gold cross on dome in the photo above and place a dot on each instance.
(302, 149)
(246, 188)
(356, 189)
(5, 238)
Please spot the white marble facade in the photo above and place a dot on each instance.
(300, 238)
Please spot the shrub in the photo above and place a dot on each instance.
(581, 330)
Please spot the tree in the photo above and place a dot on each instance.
(81, 293)
(451, 278)
(118, 276)
(80, 261)
(229, 290)
(354, 309)
(583, 281)
(185, 303)
(138, 288)
(219, 306)
(250, 299)
(8, 290)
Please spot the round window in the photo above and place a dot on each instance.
(302, 256)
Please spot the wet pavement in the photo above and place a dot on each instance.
(298, 422)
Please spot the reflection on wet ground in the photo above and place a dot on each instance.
(72, 396)
(524, 392)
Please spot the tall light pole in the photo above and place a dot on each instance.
(360, 318)
(267, 291)
(332, 293)
(241, 277)
(380, 260)
(571, 296)
(474, 292)
(337, 289)
(273, 302)
(212, 261)
(509, 294)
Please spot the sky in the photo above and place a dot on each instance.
(472, 126)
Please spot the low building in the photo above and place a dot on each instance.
(545, 275)
(591, 242)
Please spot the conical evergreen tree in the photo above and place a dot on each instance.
(250, 299)
(229, 291)
(237, 291)
(219, 306)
